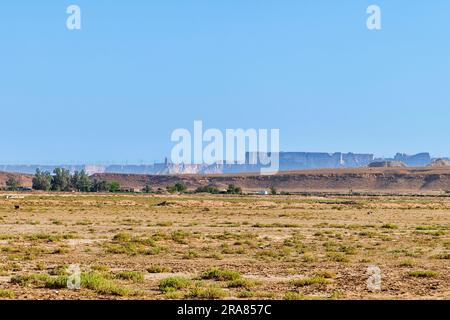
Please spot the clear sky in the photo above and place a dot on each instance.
(116, 89)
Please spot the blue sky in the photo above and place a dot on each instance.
(115, 90)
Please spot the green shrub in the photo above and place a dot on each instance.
(191, 254)
(445, 256)
(179, 236)
(240, 283)
(98, 283)
(221, 274)
(207, 189)
(7, 294)
(173, 283)
(310, 281)
(423, 274)
(122, 237)
(210, 293)
(232, 189)
(177, 187)
(26, 279)
(113, 186)
(134, 276)
(158, 269)
(59, 282)
(389, 226)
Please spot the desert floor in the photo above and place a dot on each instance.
(230, 247)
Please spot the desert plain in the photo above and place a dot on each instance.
(199, 246)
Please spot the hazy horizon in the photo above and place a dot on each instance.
(107, 162)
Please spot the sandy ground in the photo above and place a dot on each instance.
(265, 247)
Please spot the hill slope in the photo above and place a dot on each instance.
(25, 180)
(361, 179)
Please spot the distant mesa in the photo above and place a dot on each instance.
(288, 161)
(417, 160)
(387, 164)
(440, 163)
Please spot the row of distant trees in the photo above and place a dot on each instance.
(63, 180)
(180, 187)
(232, 189)
(12, 184)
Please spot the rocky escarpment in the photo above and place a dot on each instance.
(24, 180)
(417, 160)
(387, 164)
(337, 180)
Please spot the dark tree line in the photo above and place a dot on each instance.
(12, 184)
(232, 189)
(63, 180)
